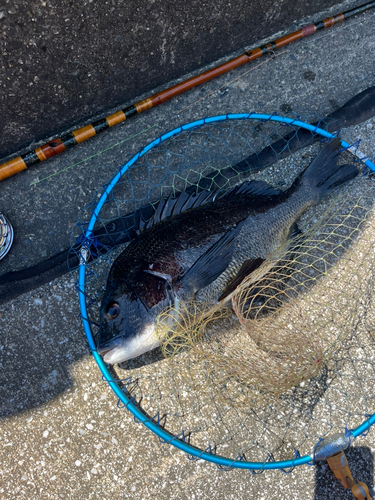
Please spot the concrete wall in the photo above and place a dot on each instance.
(64, 62)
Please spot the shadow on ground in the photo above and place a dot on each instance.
(35, 360)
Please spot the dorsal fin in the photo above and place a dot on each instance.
(157, 215)
(169, 207)
(254, 188)
(181, 200)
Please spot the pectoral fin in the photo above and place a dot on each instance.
(294, 231)
(248, 267)
(212, 263)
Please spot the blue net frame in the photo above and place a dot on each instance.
(181, 441)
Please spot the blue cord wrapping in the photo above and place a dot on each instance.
(364, 434)
(165, 441)
(147, 419)
(269, 458)
(291, 468)
(194, 459)
(90, 243)
(224, 468)
(312, 462)
(125, 405)
(349, 434)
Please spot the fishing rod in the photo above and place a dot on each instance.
(358, 109)
(60, 144)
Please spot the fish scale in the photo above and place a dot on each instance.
(260, 238)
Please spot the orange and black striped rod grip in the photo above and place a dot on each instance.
(59, 145)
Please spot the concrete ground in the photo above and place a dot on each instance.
(62, 435)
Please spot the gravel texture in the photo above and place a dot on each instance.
(62, 435)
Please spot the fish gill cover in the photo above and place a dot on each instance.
(295, 360)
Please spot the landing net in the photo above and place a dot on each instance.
(259, 388)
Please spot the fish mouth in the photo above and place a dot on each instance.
(103, 350)
(122, 348)
(108, 347)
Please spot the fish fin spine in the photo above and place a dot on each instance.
(251, 188)
(169, 207)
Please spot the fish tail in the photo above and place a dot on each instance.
(324, 175)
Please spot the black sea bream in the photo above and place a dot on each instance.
(198, 248)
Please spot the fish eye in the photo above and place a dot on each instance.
(113, 311)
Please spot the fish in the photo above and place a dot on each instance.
(197, 249)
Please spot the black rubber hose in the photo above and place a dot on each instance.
(14, 283)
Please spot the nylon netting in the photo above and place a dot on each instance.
(296, 360)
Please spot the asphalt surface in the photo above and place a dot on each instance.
(62, 62)
(62, 435)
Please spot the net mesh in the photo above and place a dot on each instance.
(294, 362)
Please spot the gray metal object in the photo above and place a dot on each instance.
(331, 445)
(6, 236)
